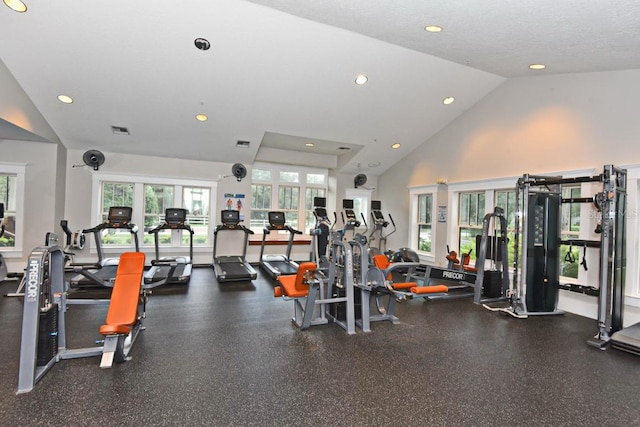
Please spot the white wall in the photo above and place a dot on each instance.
(527, 125)
(41, 202)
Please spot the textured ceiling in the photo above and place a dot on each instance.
(290, 71)
(499, 36)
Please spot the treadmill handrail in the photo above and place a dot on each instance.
(168, 226)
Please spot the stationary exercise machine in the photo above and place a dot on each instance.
(612, 204)
(275, 265)
(320, 234)
(44, 334)
(102, 273)
(379, 223)
(236, 267)
(321, 297)
(170, 270)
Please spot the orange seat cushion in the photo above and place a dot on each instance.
(294, 286)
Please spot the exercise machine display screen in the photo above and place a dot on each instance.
(276, 219)
(175, 215)
(320, 202)
(230, 217)
(347, 204)
(119, 215)
(376, 205)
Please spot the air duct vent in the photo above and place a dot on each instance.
(243, 144)
(118, 130)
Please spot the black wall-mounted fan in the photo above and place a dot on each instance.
(93, 158)
(239, 171)
(360, 180)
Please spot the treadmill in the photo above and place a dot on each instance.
(276, 265)
(102, 274)
(170, 270)
(232, 268)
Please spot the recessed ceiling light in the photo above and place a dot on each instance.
(202, 117)
(396, 145)
(433, 28)
(309, 144)
(537, 66)
(361, 79)
(16, 5)
(65, 99)
(448, 100)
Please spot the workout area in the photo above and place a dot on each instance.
(253, 212)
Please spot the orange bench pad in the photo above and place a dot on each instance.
(125, 296)
(293, 286)
(418, 290)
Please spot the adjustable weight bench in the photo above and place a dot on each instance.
(124, 319)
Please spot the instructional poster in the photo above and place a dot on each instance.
(235, 202)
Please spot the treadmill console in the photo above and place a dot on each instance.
(230, 218)
(175, 216)
(119, 215)
(276, 220)
(320, 202)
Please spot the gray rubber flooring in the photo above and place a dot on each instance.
(228, 355)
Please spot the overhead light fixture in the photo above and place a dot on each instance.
(395, 146)
(448, 100)
(537, 66)
(433, 28)
(309, 144)
(202, 117)
(361, 79)
(65, 99)
(16, 5)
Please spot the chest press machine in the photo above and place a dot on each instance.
(44, 338)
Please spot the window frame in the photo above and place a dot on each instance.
(19, 170)
(414, 195)
(139, 182)
(302, 185)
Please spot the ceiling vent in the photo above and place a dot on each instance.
(118, 130)
(243, 144)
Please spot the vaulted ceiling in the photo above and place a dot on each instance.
(280, 74)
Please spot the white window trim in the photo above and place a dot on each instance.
(414, 192)
(18, 169)
(138, 214)
(302, 184)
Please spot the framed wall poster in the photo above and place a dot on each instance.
(234, 202)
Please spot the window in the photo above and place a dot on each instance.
(260, 206)
(157, 198)
(288, 202)
(425, 209)
(570, 229)
(288, 189)
(196, 201)
(116, 194)
(471, 212)
(8, 185)
(310, 219)
(149, 197)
